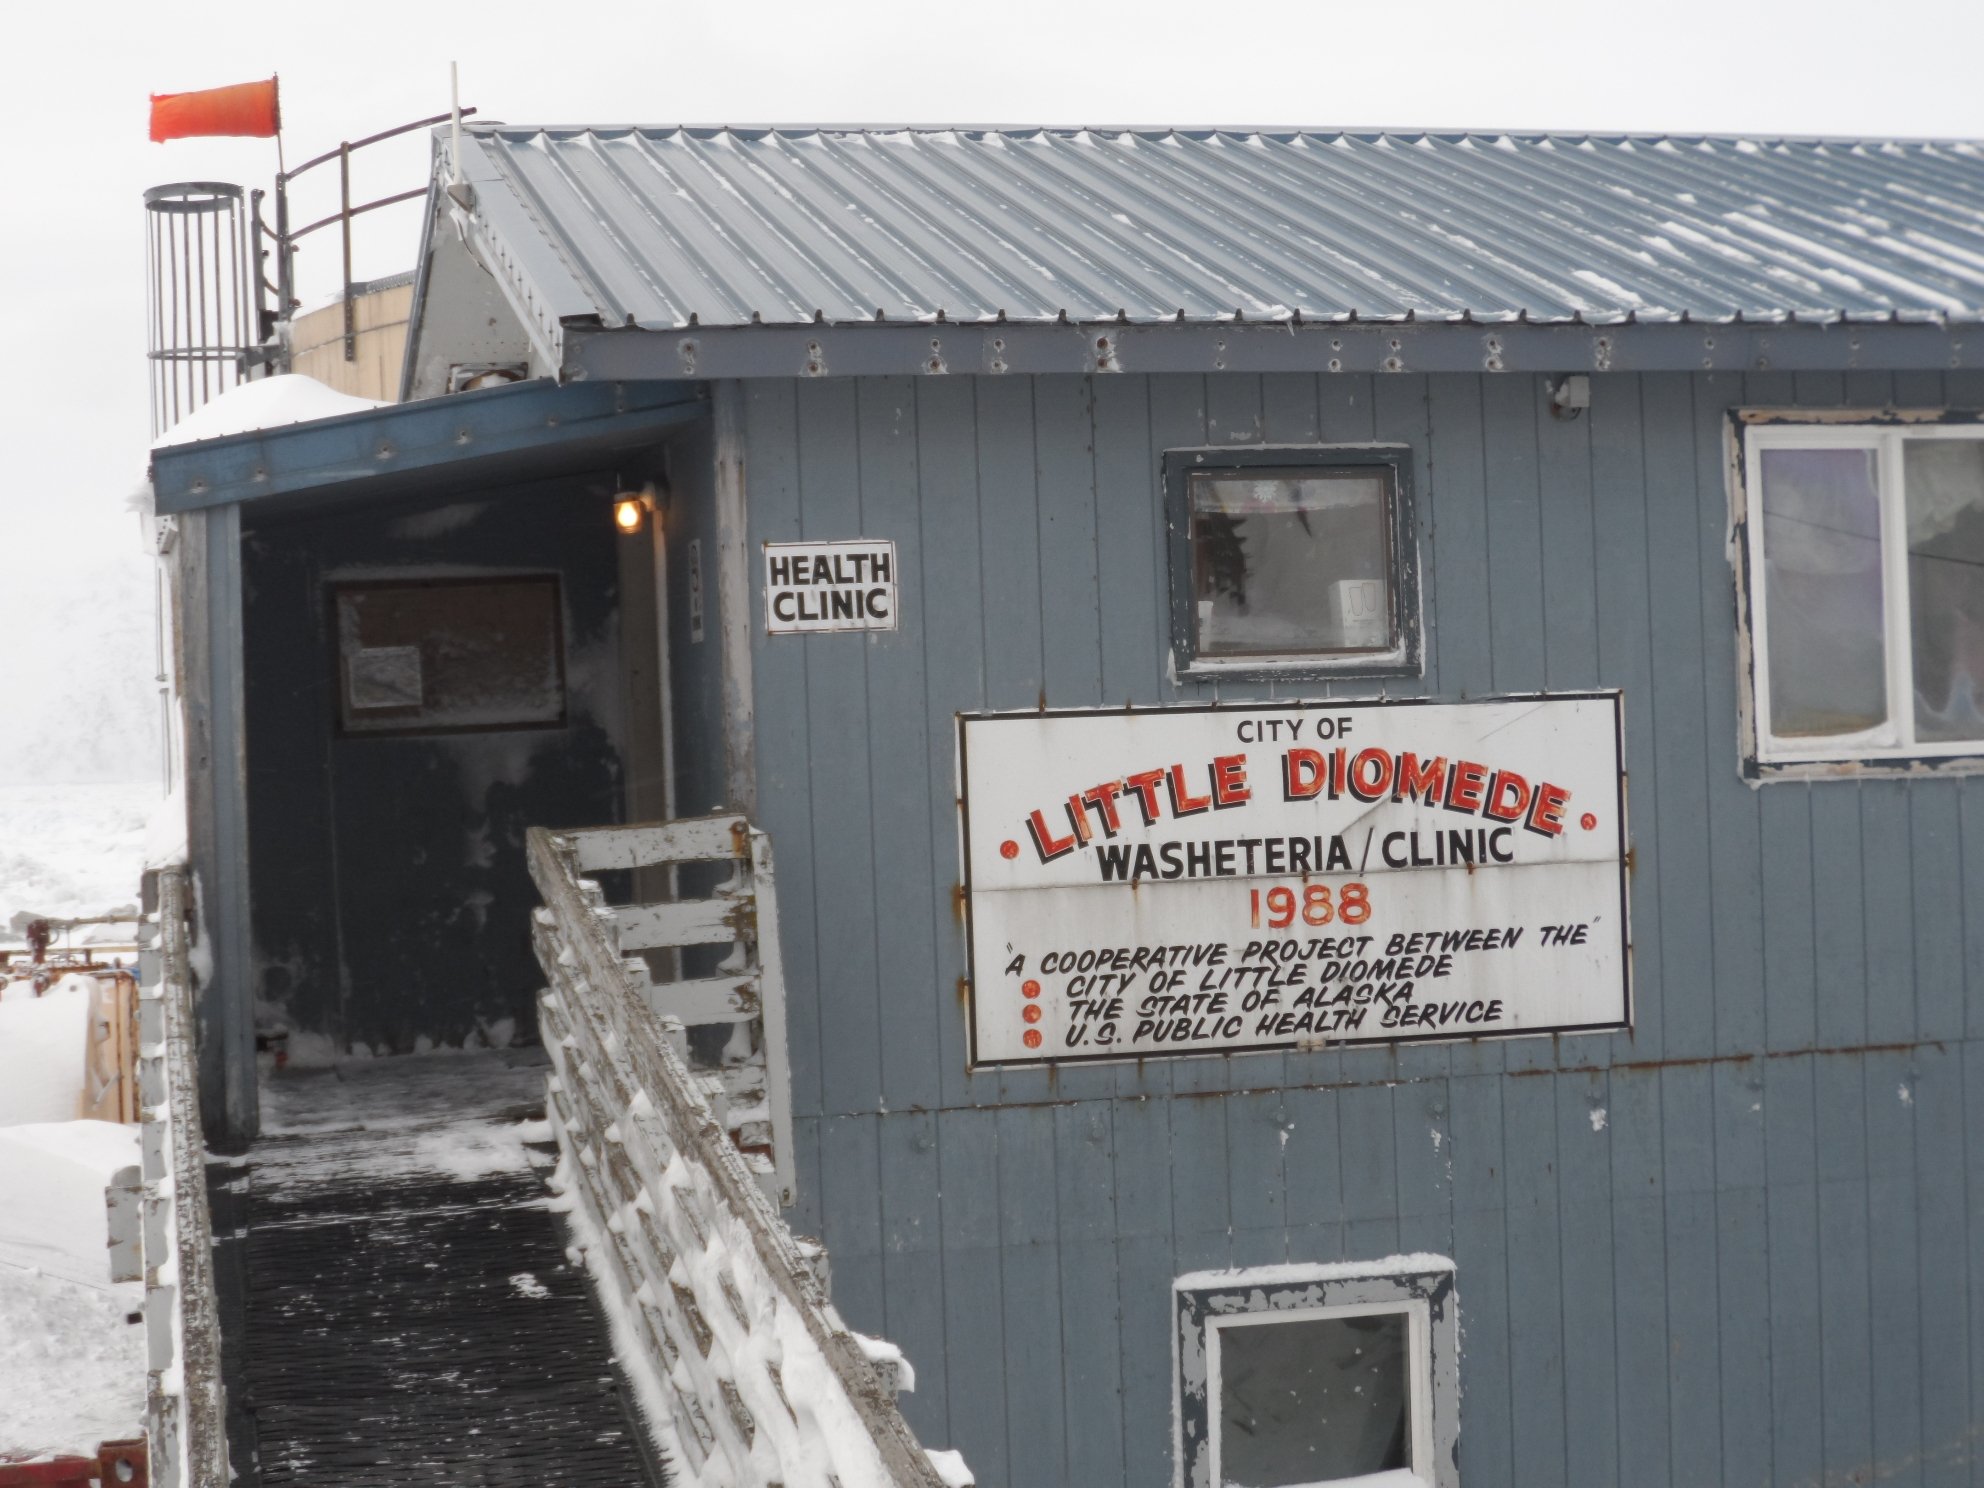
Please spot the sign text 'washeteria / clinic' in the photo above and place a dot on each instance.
(1212, 879)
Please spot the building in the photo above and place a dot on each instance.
(943, 459)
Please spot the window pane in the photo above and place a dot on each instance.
(1286, 563)
(1313, 1400)
(1945, 482)
(1827, 659)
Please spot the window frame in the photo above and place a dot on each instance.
(1890, 749)
(1405, 659)
(1208, 1304)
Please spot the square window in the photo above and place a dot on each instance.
(1863, 576)
(442, 655)
(1290, 1376)
(1292, 561)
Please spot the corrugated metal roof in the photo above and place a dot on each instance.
(667, 228)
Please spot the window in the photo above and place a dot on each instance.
(1292, 561)
(1296, 1375)
(439, 655)
(1864, 575)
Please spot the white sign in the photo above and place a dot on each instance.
(830, 586)
(1198, 880)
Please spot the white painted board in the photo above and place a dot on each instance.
(830, 586)
(1201, 880)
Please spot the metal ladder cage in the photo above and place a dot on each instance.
(749, 1089)
(201, 327)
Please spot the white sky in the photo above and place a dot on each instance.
(74, 80)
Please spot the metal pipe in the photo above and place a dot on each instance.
(344, 206)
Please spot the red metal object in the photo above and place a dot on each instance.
(117, 1464)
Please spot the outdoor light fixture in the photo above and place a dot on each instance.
(1570, 395)
(628, 514)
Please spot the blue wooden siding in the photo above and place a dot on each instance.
(1736, 1245)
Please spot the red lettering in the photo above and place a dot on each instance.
(1045, 842)
(1229, 780)
(1302, 772)
(1546, 811)
(1079, 818)
(1103, 799)
(1143, 786)
(1499, 804)
(1371, 774)
(1465, 785)
(1419, 780)
(1183, 802)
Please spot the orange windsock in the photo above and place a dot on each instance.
(244, 108)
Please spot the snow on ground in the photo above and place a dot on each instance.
(44, 1051)
(72, 1361)
(72, 849)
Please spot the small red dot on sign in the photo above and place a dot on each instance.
(1029, 988)
(1032, 1012)
(1588, 821)
(1033, 1038)
(1009, 849)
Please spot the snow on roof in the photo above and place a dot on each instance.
(266, 403)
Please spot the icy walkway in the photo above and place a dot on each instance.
(411, 1315)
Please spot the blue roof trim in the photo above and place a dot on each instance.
(466, 434)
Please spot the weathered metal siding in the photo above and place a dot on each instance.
(1735, 1245)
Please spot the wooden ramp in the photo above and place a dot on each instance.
(412, 1317)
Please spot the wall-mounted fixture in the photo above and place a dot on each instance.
(1570, 395)
(632, 508)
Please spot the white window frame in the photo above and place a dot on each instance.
(1209, 1304)
(1891, 748)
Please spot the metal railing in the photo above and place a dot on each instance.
(185, 1405)
(286, 238)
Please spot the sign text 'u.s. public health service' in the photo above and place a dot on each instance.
(826, 586)
(1200, 880)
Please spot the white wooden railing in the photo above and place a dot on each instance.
(185, 1406)
(674, 1172)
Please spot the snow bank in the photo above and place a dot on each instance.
(265, 403)
(44, 1045)
(52, 1178)
(72, 1364)
(72, 849)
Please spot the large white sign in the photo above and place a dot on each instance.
(1192, 880)
(816, 586)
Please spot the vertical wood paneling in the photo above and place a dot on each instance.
(974, 1305)
(1694, 1323)
(1935, 844)
(1036, 1417)
(1735, 830)
(1536, 1315)
(1091, 1374)
(1481, 1254)
(839, 785)
(1895, 1281)
(851, 1217)
(783, 747)
(1796, 1385)
(1144, 1272)
(1941, 1311)
(1886, 871)
(1742, 1272)
(1639, 1233)
(901, 837)
(913, 1261)
(953, 678)
(1680, 765)
(1591, 1360)
(1625, 661)
(1846, 1322)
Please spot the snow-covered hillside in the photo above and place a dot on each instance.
(72, 849)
